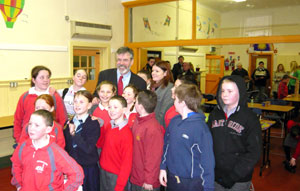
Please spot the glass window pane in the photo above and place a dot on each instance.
(75, 61)
(92, 74)
(83, 61)
(91, 61)
(229, 19)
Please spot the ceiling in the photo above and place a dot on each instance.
(230, 5)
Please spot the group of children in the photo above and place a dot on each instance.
(118, 143)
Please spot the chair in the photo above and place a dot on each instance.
(208, 97)
(257, 111)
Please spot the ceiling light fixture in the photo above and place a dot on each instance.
(237, 1)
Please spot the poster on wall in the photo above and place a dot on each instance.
(10, 10)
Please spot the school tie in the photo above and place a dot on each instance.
(78, 130)
(120, 85)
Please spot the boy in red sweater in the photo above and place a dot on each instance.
(116, 154)
(282, 91)
(147, 144)
(39, 163)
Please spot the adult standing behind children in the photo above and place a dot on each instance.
(260, 76)
(40, 81)
(67, 94)
(162, 85)
(39, 163)
(236, 133)
(279, 73)
(294, 75)
(121, 76)
(188, 160)
(178, 67)
(240, 71)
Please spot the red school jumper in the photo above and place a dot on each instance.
(116, 154)
(147, 150)
(57, 133)
(170, 114)
(101, 113)
(44, 168)
(26, 107)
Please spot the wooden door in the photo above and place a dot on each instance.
(268, 64)
(214, 72)
(88, 60)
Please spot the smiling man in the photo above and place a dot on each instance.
(122, 76)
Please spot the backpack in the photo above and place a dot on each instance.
(65, 91)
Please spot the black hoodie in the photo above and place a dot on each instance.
(237, 140)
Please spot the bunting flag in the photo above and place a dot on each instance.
(167, 21)
(146, 23)
(10, 10)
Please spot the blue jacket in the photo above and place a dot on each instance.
(188, 149)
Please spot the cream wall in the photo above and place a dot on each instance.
(41, 36)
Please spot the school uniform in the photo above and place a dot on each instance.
(147, 151)
(82, 147)
(116, 157)
(101, 112)
(26, 107)
(56, 133)
(44, 168)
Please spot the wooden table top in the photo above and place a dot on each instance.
(292, 98)
(280, 108)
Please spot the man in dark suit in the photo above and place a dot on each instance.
(121, 76)
(178, 68)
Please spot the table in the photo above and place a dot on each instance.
(275, 108)
(283, 110)
(266, 129)
(293, 98)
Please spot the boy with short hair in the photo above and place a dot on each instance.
(147, 144)
(116, 154)
(282, 91)
(39, 163)
(188, 149)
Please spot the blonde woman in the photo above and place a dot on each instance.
(294, 75)
(279, 73)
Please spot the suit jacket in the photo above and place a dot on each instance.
(177, 70)
(111, 75)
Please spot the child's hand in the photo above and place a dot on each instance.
(72, 129)
(147, 186)
(293, 162)
(163, 177)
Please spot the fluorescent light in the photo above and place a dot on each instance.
(239, 1)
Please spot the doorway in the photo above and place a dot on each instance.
(214, 67)
(88, 60)
(254, 59)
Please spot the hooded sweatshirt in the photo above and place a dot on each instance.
(236, 139)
